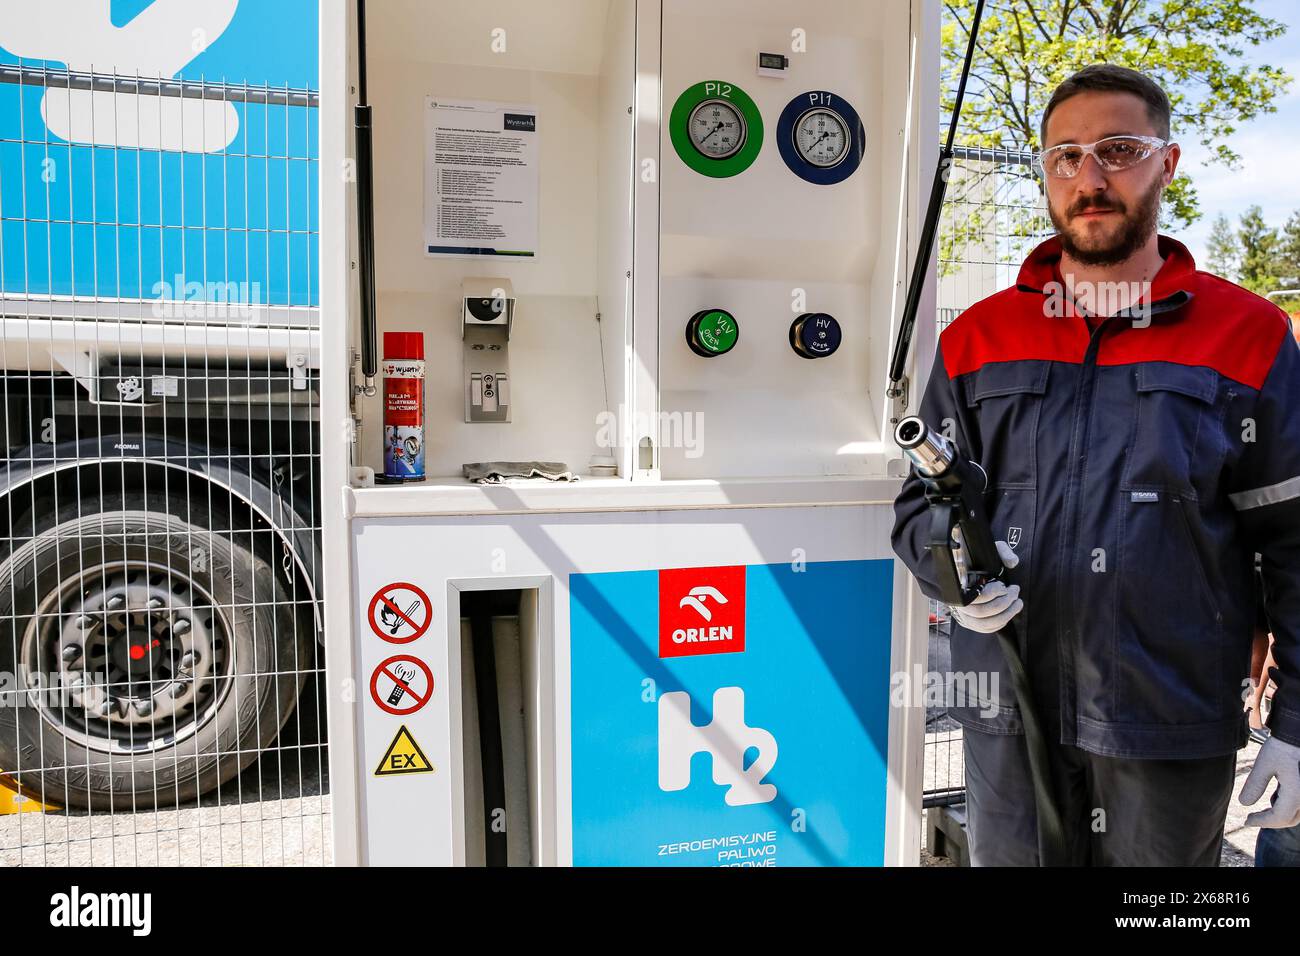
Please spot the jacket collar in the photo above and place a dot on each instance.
(1171, 288)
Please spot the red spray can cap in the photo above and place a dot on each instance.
(404, 345)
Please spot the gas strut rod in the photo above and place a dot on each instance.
(365, 212)
(903, 344)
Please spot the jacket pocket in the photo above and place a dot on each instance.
(1169, 636)
(1006, 399)
(1174, 414)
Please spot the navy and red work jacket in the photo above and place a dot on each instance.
(1137, 469)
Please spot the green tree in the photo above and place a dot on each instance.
(1288, 261)
(1193, 48)
(1260, 248)
(1287, 264)
(1224, 249)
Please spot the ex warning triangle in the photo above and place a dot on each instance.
(403, 756)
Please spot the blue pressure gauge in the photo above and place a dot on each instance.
(821, 138)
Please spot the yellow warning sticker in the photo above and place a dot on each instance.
(403, 756)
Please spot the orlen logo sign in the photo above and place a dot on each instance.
(701, 611)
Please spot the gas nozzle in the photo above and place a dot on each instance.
(929, 451)
(961, 542)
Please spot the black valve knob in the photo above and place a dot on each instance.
(815, 335)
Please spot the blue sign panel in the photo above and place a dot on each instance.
(731, 716)
(136, 193)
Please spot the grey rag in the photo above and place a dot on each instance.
(496, 472)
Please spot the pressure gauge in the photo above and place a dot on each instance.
(717, 129)
(822, 137)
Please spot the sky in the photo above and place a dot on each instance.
(1269, 147)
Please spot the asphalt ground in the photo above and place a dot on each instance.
(274, 813)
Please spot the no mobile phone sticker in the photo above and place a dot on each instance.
(401, 685)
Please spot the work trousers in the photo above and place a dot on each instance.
(1116, 811)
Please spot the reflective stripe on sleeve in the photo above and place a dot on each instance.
(1268, 495)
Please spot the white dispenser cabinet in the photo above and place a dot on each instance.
(691, 662)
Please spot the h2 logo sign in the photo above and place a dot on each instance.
(727, 738)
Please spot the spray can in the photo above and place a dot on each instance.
(403, 371)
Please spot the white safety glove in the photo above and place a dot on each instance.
(1276, 758)
(996, 604)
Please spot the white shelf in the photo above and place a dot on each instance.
(456, 496)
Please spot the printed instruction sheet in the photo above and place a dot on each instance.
(481, 182)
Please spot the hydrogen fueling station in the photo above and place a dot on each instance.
(608, 293)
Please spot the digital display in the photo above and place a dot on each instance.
(772, 61)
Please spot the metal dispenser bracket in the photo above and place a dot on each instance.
(487, 314)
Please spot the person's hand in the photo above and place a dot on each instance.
(996, 604)
(1276, 758)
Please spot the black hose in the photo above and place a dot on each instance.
(1051, 830)
(495, 845)
(929, 228)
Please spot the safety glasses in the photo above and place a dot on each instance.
(1112, 154)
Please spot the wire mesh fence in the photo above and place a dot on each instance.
(159, 560)
(993, 215)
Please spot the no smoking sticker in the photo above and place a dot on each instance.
(399, 613)
(401, 685)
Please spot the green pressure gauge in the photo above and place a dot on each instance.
(716, 129)
(712, 332)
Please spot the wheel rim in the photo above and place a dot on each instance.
(130, 657)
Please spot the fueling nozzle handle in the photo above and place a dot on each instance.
(954, 489)
(945, 517)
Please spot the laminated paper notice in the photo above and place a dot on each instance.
(481, 180)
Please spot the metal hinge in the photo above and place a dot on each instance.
(298, 361)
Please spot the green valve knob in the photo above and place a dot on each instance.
(712, 332)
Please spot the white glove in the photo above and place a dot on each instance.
(1276, 758)
(996, 604)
